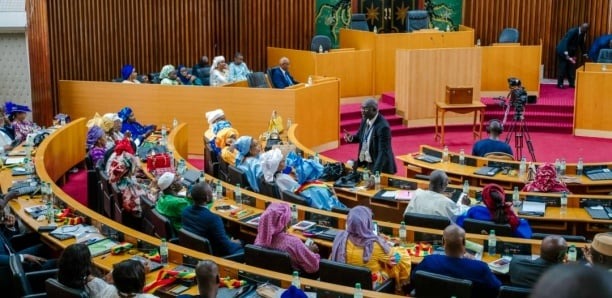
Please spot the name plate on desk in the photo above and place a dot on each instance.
(458, 95)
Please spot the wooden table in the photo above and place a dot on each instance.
(475, 107)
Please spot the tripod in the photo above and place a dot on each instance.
(518, 128)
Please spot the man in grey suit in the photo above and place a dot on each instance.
(525, 272)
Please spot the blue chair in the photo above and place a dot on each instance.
(605, 56)
(509, 35)
(320, 40)
(359, 22)
(417, 20)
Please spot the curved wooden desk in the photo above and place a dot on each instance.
(52, 159)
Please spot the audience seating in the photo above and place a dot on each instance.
(513, 292)
(28, 283)
(163, 227)
(257, 80)
(201, 244)
(605, 56)
(222, 172)
(429, 284)
(204, 74)
(293, 198)
(347, 275)
(237, 176)
(569, 238)
(57, 290)
(211, 163)
(509, 35)
(94, 196)
(359, 22)
(499, 156)
(417, 20)
(340, 210)
(321, 40)
(108, 199)
(483, 227)
(274, 260)
(268, 188)
(427, 221)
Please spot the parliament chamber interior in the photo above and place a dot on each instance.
(328, 148)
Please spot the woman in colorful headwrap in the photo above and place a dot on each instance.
(498, 210)
(168, 76)
(6, 141)
(224, 140)
(247, 160)
(96, 144)
(546, 181)
(272, 233)
(216, 122)
(115, 132)
(358, 245)
(218, 71)
(186, 78)
(121, 169)
(17, 116)
(129, 74)
(129, 124)
(6, 127)
(317, 194)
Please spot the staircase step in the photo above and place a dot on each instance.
(353, 124)
(353, 111)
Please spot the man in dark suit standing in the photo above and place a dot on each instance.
(525, 272)
(281, 78)
(374, 137)
(566, 54)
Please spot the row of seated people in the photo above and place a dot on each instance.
(201, 74)
(14, 125)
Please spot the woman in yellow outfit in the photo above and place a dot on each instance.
(358, 245)
(224, 141)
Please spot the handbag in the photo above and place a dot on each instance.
(349, 181)
(332, 171)
(159, 161)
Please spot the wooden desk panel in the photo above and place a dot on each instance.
(591, 66)
(248, 109)
(503, 61)
(593, 104)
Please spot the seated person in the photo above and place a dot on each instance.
(17, 117)
(525, 272)
(497, 210)
(75, 270)
(602, 42)
(224, 141)
(573, 280)
(247, 160)
(599, 253)
(358, 245)
(129, 124)
(128, 280)
(218, 71)
(186, 78)
(6, 127)
(121, 168)
(6, 141)
(317, 194)
(202, 70)
(168, 75)
(238, 70)
(96, 144)
(207, 279)
(201, 221)
(454, 264)
(272, 234)
(129, 74)
(169, 203)
(281, 78)
(546, 181)
(216, 121)
(433, 201)
(492, 144)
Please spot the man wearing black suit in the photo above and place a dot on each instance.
(281, 78)
(566, 54)
(525, 272)
(374, 137)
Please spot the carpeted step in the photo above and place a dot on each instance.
(353, 124)
(353, 111)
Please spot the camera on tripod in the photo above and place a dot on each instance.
(517, 97)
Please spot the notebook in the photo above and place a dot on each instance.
(101, 247)
(152, 265)
(533, 208)
(487, 171)
(428, 158)
(599, 212)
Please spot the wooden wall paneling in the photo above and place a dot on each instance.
(37, 35)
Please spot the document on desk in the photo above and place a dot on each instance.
(14, 160)
(533, 207)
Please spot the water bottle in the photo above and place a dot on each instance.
(579, 167)
(563, 201)
(50, 211)
(163, 252)
(445, 157)
(219, 189)
(358, 291)
(63, 121)
(523, 167)
(478, 42)
(462, 157)
(294, 214)
(557, 165)
(572, 253)
(320, 48)
(466, 187)
(377, 180)
(316, 157)
(238, 195)
(492, 243)
(562, 167)
(310, 82)
(375, 228)
(402, 232)
(182, 167)
(448, 28)
(289, 123)
(516, 199)
(174, 123)
(375, 30)
(366, 175)
(295, 281)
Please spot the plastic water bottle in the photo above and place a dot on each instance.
(358, 291)
(516, 199)
(219, 189)
(375, 30)
(448, 28)
(163, 252)
(316, 157)
(320, 48)
(181, 168)
(445, 157)
(377, 180)
(478, 42)
(295, 281)
(462, 157)
(63, 121)
(28, 164)
(174, 123)
(50, 211)
(562, 167)
(523, 167)
(294, 214)
(238, 195)
(572, 253)
(310, 82)
(375, 228)
(557, 165)
(492, 243)
(466, 187)
(289, 123)
(402, 232)
(563, 202)
(366, 175)
(579, 167)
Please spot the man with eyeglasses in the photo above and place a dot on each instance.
(281, 78)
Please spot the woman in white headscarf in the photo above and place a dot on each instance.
(168, 75)
(218, 71)
(272, 164)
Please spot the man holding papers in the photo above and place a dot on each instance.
(432, 201)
